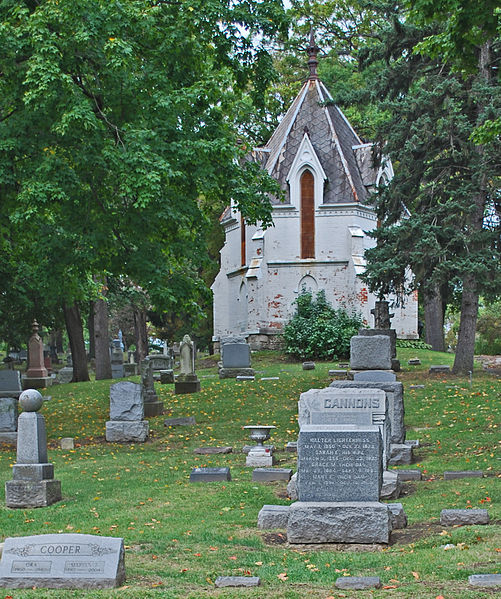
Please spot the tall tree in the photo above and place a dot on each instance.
(101, 333)
(118, 122)
(447, 182)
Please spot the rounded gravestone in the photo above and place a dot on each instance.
(31, 400)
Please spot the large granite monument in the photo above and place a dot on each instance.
(339, 484)
(33, 483)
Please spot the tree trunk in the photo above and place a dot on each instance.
(90, 329)
(74, 327)
(141, 334)
(465, 350)
(59, 341)
(434, 319)
(463, 362)
(102, 340)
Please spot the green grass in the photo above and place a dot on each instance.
(180, 536)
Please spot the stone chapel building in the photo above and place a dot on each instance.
(319, 235)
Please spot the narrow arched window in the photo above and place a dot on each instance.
(307, 183)
(243, 249)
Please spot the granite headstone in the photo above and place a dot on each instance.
(62, 561)
(339, 465)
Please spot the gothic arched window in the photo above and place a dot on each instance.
(307, 184)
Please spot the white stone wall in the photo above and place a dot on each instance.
(261, 299)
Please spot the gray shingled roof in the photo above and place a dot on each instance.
(333, 140)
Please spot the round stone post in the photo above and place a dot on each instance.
(33, 483)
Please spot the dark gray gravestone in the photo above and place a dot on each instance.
(405, 475)
(339, 465)
(439, 369)
(206, 475)
(370, 353)
(308, 365)
(391, 333)
(454, 474)
(62, 561)
(236, 355)
(271, 474)
(291, 447)
(10, 383)
(380, 376)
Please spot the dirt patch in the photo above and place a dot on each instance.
(274, 538)
(415, 532)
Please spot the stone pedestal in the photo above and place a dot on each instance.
(336, 522)
(258, 456)
(232, 373)
(166, 376)
(28, 494)
(186, 383)
(127, 432)
(153, 408)
(130, 369)
(37, 382)
(33, 484)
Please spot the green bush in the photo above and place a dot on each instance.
(489, 329)
(413, 344)
(317, 330)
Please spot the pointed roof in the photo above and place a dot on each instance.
(341, 152)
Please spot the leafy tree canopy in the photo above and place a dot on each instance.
(118, 126)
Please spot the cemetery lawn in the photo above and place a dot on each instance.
(181, 536)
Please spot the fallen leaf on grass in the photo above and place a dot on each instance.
(416, 575)
(282, 576)
(232, 557)
(390, 586)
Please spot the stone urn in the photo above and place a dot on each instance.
(259, 433)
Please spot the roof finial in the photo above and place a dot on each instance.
(312, 51)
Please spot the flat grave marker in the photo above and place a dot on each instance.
(207, 475)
